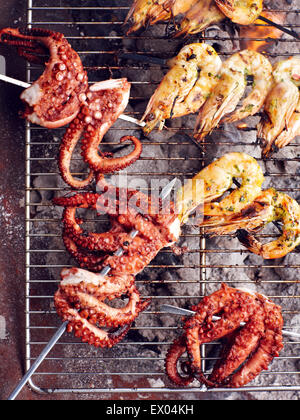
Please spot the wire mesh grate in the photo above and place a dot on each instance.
(136, 365)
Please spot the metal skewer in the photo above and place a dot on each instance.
(164, 194)
(280, 27)
(27, 85)
(185, 312)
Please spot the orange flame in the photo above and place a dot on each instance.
(263, 31)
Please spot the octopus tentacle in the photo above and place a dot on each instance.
(210, 305)
(132, 264)
(84, 200)
(140, 256)
(85, 259)
(83, 329)
(105, 287)
(252, 326)
(106, 102)
(94, 250)
(53, 100)
(260, 360)
(244, 343)
(34, 55)
(102, 105)
(67, 147)
(147, 228)
(101, 313)
(108, 241)
(107, 165)
(200, 329)
(117, 201)
(270, 345)
(80, 300)
(25, 43)
(174, 353)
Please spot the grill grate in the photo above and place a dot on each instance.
(137, 364)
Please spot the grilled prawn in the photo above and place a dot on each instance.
(291, 130)
(180, 7)
(230, 89)
(270, 206)
(197, 14)
(280, 123)
(286, 210)
(145, 12)
(203, 14)
(258, 66)
(184, 89)
(216, 179)
(140, 13)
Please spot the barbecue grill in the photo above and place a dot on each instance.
(136, 365)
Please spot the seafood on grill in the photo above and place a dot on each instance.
(269, 206)
(180, 7)
(53, 100)
(241, 12)
(231, 88)
(279, 124)
(144, 11)
(81, 294)
(215, 180)
(192, 16)
(149, 12)
(245, 210)
(249, 348)
(80, 300)
(291, 130)
(286, 210)
(183, 376)
(199, 17)
(128, 210)
(191, 79)
(103, 103)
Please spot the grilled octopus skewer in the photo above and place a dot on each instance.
(135, 238)
(249, 349)
(54, 99)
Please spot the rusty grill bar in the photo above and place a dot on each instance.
(137, 364)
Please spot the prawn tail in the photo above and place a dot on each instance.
(268, 148)
(265, 139)
(205, 123)
(249, 241)
(162, 12)
(130, 13)
(291, 131)
(284, 139)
